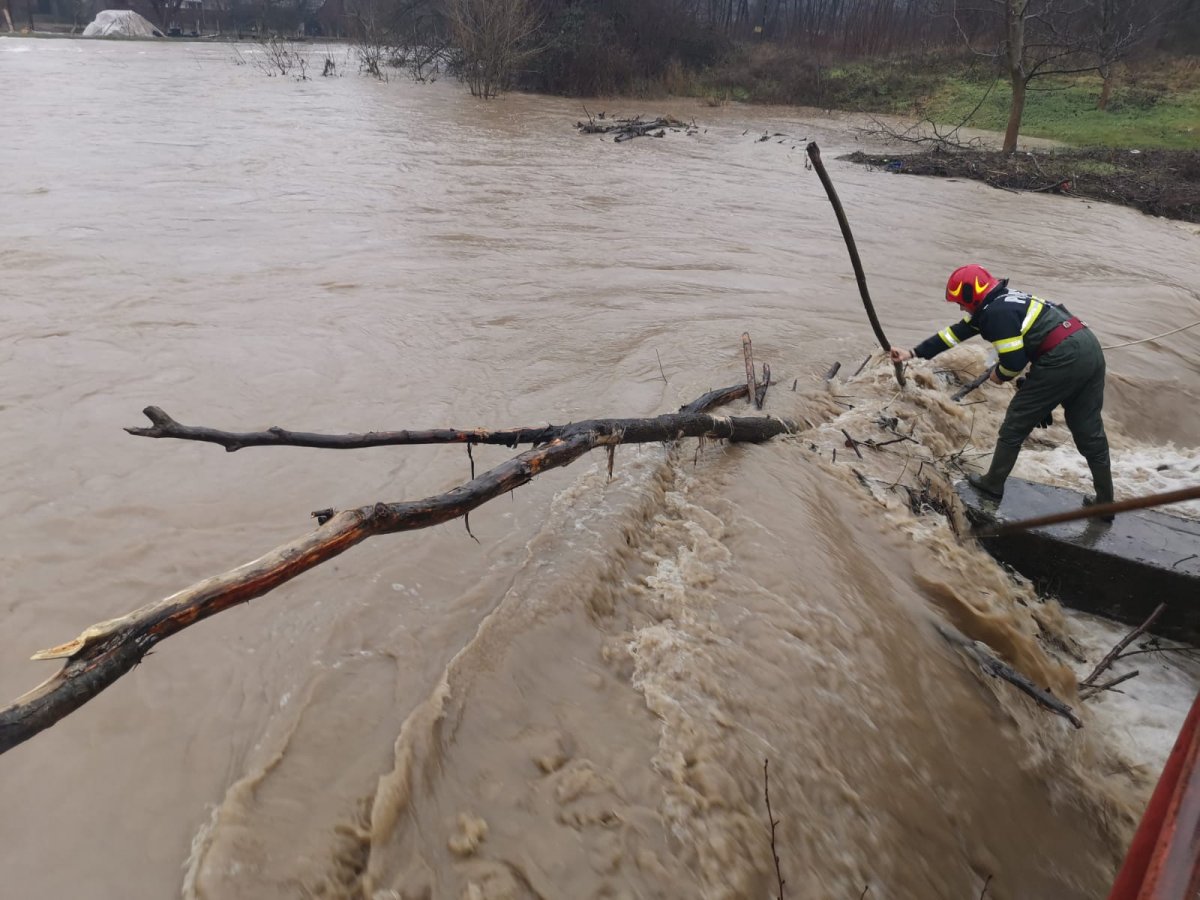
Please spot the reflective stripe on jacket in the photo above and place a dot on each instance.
(1014, 322)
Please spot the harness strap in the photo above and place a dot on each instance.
(1059, 334)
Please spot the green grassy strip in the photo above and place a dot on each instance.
(1155, 107)
(1065, 110)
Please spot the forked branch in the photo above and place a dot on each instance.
(107, 650)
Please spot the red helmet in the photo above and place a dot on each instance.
(969, 285)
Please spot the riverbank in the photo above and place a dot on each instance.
(1142, 150)
(1160, 182)
(1154, 104)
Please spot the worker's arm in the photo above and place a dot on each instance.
(1003, 328)
(950, 336)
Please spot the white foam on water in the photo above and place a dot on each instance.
(1138, 470)
(1139, 719)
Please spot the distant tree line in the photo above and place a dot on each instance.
(289, 17)
(596, 46)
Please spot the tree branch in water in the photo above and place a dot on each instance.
(661, 428)
(1115, 653)
(106, 651)
(997, 669)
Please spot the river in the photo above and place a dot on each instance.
(578, 704)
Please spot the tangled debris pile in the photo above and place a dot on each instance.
(629, 128)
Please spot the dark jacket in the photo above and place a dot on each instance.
(1016, 323)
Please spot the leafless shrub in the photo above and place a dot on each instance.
(278, 57)
(925, 131)
(493, 39)
(329, 68)
(411, 36)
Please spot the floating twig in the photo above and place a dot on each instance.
(660, 366)
(852, 443)
(771, 818)
(1115, 652)
(1092, 690)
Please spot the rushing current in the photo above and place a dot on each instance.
(579, 701)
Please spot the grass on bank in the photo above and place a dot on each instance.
(1147, 114)
(1155, 103)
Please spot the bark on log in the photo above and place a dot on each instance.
(635, 430)
(107, 650)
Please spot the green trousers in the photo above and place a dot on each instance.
(1072, 376)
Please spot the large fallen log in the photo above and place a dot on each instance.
(633, 431)
(106, 651)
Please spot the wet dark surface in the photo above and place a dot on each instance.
(1121, 570)
(1159, 182)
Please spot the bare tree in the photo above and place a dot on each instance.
(1117, 27)
(165, 11)
(494, 38)
(1042, 38)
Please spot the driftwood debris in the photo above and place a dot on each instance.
(106, 651)
(757, 389)
(814, 156)
(1086, 693)
(628, 129)
(972, 384)
(992, 666)
(1115, 653)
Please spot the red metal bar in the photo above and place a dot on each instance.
(1163, 861)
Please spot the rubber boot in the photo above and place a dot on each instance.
(1102, 479)
(992, 484)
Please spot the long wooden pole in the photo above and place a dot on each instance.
(1090, 512)
(814, 154)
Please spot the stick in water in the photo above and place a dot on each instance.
(814, 154)
(967, 388)
(1115, 653)
(751, 381)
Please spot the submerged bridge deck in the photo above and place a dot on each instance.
(1121, 570)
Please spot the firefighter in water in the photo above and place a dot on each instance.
(1067, 369)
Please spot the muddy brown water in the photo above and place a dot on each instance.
(580, 704)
